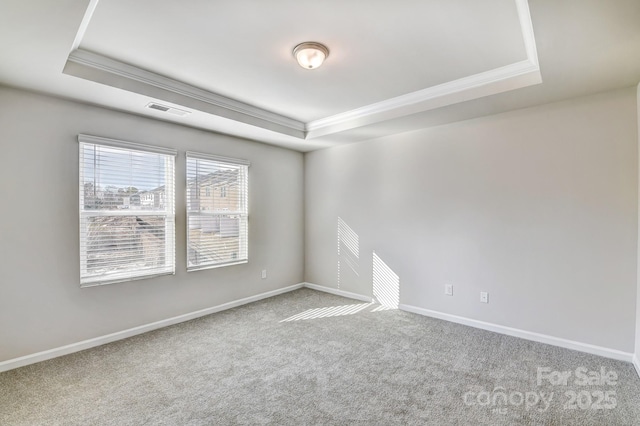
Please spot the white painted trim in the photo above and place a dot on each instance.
(513, 76)
(517, 75)
(529, 38)
(204, 156)
(636, 356)
(130, 72)
(429, 94)
(84, 24)
(119, 335)
(338, 292)
(90, 139)
(443, 92)
(523, 334)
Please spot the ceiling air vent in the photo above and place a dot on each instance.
(168, 109)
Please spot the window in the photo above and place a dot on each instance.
(217, 228)
(127, 214)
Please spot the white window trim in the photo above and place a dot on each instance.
(169, 178)
(126, 144)
(203, 156)
(238, 161)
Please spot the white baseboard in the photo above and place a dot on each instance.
(636, 363)
(338, 292)
(523, 334)
(97, 341)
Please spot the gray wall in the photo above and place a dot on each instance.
(41, 303)
(539, 207)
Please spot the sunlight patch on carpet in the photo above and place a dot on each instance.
(330, 311)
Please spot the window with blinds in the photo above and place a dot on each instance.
(217, 213)
(127, 213)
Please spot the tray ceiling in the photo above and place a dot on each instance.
(224, 58)
(393, 66)
(242, 49)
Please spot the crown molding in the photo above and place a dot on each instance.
(96, 67)
(510, 77)
(526, 25)
(84, 24)
(101, 69)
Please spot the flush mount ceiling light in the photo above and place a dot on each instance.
(310, 55)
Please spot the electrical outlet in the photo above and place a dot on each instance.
(448, 289)
(484, 297)
(264, 274)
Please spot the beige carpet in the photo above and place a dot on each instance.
(307, 358)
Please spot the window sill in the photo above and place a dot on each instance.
(98, 283)
(221, 265)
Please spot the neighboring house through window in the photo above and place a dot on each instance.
(217, 222)
(127, 214)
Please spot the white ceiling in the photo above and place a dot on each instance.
(242, 49)
(393, 66)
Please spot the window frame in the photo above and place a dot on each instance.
(243, 213)
(87, 280)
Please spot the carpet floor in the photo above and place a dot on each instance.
(311, 358)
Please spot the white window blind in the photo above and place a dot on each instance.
(217, 213)
(127, 213)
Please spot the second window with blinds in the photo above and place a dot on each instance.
(217, 211)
